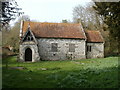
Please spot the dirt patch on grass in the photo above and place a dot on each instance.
(18, 68)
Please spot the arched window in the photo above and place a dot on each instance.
(28, 37)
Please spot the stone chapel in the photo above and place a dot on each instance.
(58, 41)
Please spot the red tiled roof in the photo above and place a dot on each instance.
(93, 36)
(54, 30)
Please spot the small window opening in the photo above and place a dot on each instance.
(54, 47)
(71, 47)
(89, 48)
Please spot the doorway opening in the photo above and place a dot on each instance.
(28, 54)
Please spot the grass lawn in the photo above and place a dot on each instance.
(85, 73)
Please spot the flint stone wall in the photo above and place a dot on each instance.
(97, 50)
(63, 53)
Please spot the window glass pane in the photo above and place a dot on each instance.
(54, 47)
(71, 47)
(89, 48)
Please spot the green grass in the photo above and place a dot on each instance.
(86, 73)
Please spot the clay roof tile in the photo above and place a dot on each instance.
(94, 36)
(54, 30)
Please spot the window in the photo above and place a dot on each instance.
(54, 47)
(89, 48)
(28, 37)
(71, 47)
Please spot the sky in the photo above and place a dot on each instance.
(49, 10)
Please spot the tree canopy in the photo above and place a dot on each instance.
(111, 15)
(9, 11)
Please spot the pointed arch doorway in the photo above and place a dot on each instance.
(28, 54)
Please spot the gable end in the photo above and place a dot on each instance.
(28, 36)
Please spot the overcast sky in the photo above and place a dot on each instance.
(49, 10)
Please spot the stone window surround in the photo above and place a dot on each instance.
(28, 37)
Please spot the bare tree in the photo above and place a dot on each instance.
(87, 16)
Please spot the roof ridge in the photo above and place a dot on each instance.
(93, 30)
(51, 22)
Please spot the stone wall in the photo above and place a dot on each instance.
(63, 49)
(97, 50)
(33, 47)
(43, 49)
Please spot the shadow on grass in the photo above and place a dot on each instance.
(113, 55)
